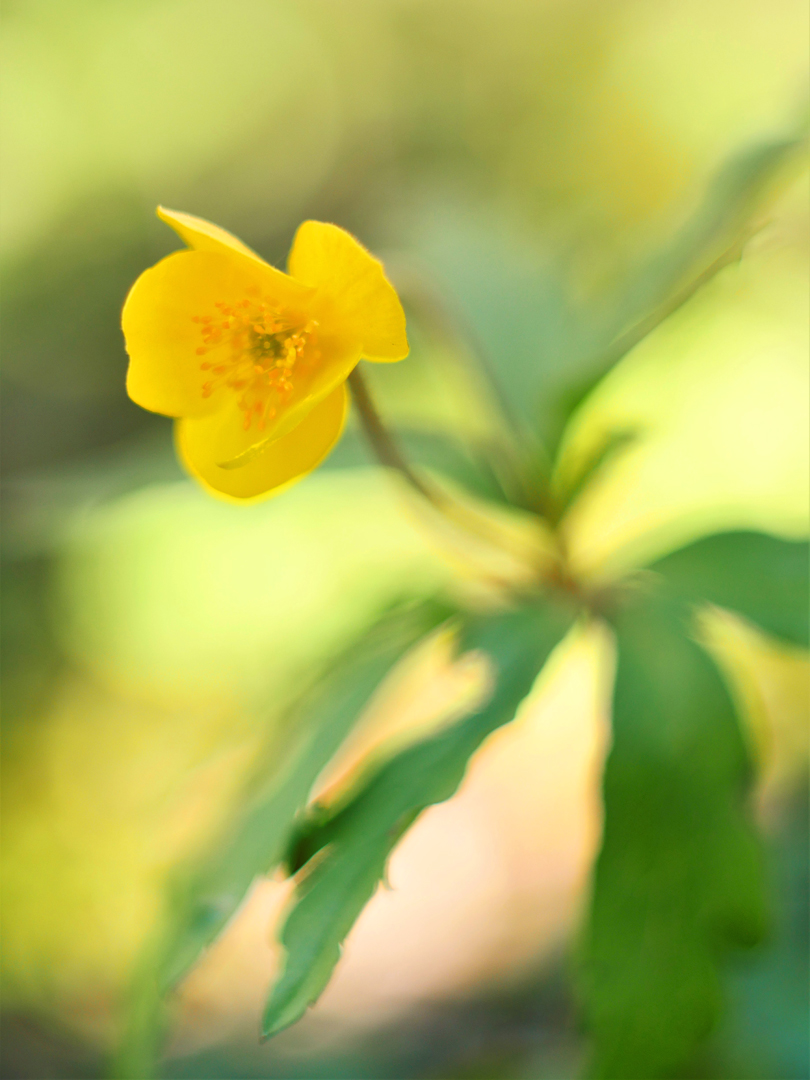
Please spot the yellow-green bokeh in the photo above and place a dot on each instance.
(157, 634)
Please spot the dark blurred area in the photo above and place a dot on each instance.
(525, 155)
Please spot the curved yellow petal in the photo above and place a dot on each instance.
(280, 463)
(161, 337)
(310, 385)
(354, 296)
(203, 235)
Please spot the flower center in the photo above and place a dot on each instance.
(258, 348)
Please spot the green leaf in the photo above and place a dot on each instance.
(569, 485)
(318, 725)
(678, 880)
(546, 350)
(733, 197)
(353, 846)
(713, 238)
(513, 310)
(205, 896)
(764, 578)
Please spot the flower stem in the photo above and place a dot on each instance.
(388, 453)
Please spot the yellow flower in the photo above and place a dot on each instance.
(253, 362)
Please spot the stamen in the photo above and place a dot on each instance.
(265, 347)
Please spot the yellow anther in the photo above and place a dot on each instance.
(264, 345)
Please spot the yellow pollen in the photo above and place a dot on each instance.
(259, 347)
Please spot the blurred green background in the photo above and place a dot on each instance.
(516, 160)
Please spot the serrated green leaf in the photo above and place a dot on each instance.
(204, 897)
(761, 577)
(678, 880)
(353, 846)
(318, 724)
(713, 238)
(734, 195)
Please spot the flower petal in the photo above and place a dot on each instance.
(354, 296)
(162, 339)
(203, 235)
(279, 464)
